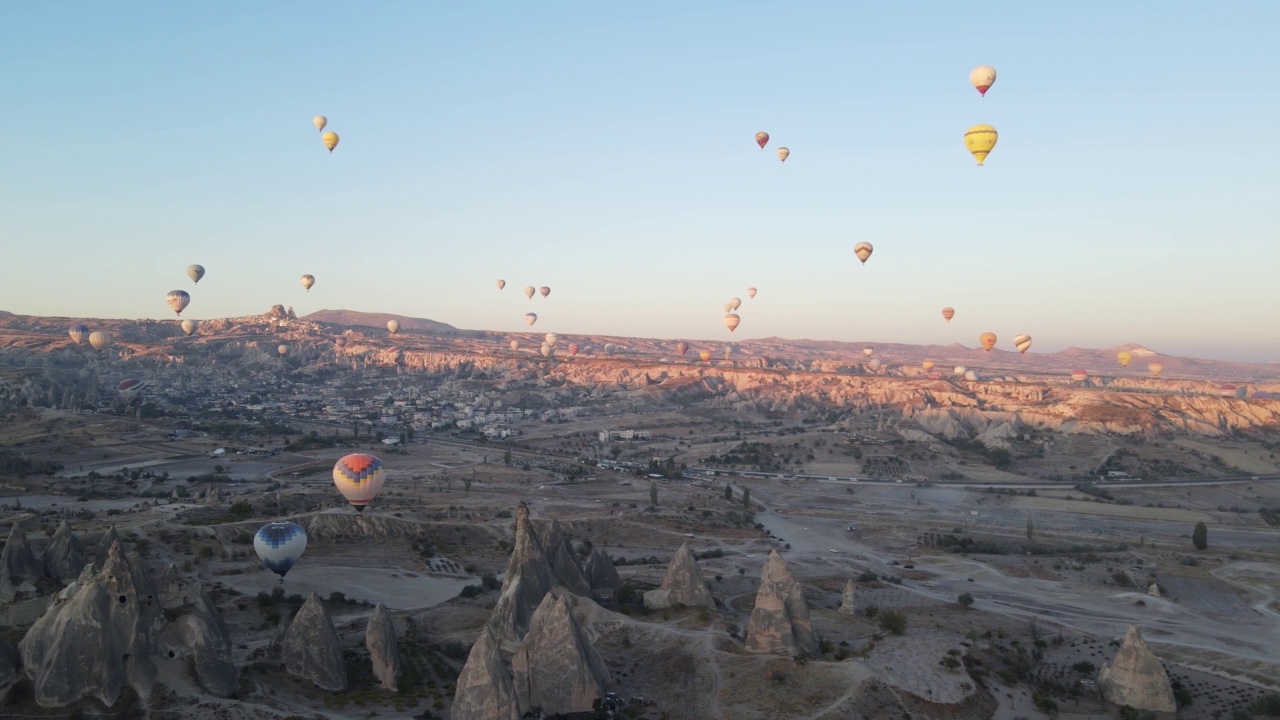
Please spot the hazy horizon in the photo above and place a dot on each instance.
(607, 152)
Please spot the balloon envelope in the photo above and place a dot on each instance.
(1078, 374)
(982, 77)
(551, 339)
(980, 140)
(195, 272)
(1124, 356)
(574, 348)
(948, 313)
(868, 350)
(927, 365)
(100, 340)
(1022, 342)
(987, 340)
(544, 291)
(515, 344)
(359, 477)
(959, 370)
(330, 140)
(751, 292)
(319, 121)
(393, 326)
(546, 350)
(783, 154)
(189, 327)
(682, 347)
(279, 545)
(1154, 367)
(874, 364)
(282, 349)
(530, 318)
(307, 281)
(704, 355)
(735, 303)
(529, 291)
(178, 300)
(731, 321)
(78, 333)
(863, 250)
(502, 284)
(762, 139)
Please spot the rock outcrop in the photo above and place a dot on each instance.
(564, 561)
(780, 621)
(681, 585)
(1153, 590)
(380, 641)
(600, 572)
(17, 562)
(64, 556)
(555, 667)
(1136, 677)
(849, 598)
(8, 667)
(526, 582)
(75, 649)
(205, 635)
(170, 588)
(109, 538)
(483, 689)
(311, 648)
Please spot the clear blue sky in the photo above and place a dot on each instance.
(605, 149)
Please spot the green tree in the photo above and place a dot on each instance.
(746, 498)
(506, 457)
(1200, 536)
(728, 492)
(895, 621)
(653, 492)
(1031, 529)
(1000, 458)
(965, 600)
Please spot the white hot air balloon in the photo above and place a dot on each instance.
(1022, 343)
(530, 318)
(552, 338)
(529, 291)
(734, 303)
(546, 350)
(189, 327)
(319, 121)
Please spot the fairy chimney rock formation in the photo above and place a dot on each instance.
(380, 641)
(64, 556)
(555, 667)
(526, 582)
(483, 689)
(311, 649)
(849, 599)
(17, 562)
(564, 562)
(206, 636)
(1136, 677)
(109, 538)
(8, 667)
(681, 585)
(780, 621)
(1153, 590)
(600, 572)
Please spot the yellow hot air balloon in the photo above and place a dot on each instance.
(751, 292)
(927, 365)
(307, 281)
(282, 349)
(988, 340)
(948, 313)
(393, 326)
(731, 321)
(1023, 343)
(982, 77)
(1124, 356)
(980, 139)
(783, 154)
(863, 250)
(529, 290)
(1154, 367)
(330, 140)
(704, 355)
(359, 477)
(502, 284)
(762, 138)
(319, 121)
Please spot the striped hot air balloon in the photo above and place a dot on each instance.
(100, 340)
(359, 477)
(178, 300)
(731, 321)
(279, 545)
(948, 313)
(1023, 343)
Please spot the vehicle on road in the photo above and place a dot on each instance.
(833, 550)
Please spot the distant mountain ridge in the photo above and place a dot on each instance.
(355, 318)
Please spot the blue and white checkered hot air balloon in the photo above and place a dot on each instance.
(279, 545)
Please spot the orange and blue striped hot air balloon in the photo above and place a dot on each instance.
(359, 477)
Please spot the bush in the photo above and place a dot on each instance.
(949, 662)
(895, 621)
(965, 600)
(871, 611)
(868, 576)
(470, 591)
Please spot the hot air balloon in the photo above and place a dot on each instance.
(546, 350)
(307, 281)
(927, 365)
(393, 326)
(1077, 375)
(189, 327)
(762, 139)
(131, 388)
(610, 348)
(1124, 356)
(573, 349)
(982, 77)
(515, 344)
(530, 318)
(735, 303)
(319, 121)
(731, 321)
(728, 350)
(874, 364)
(971, 375)
(529, 291)
(78, 333)
(728, 307)
(502, 284)
(340, 341)
(980, 139)
(704, 356)
(551, 339)
(282, 349)
(1154, 367)
(987, 340)
(195, 272)
(330, 140)
(359, 477)
(178, 300)
(948, 313)
(279, 545)
(863, 250)
(682, 347)
(751, 292)
(100, 340)
(1023, 343)
(544, 291)
(959, 370)
(783, 154)
(868, 350)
